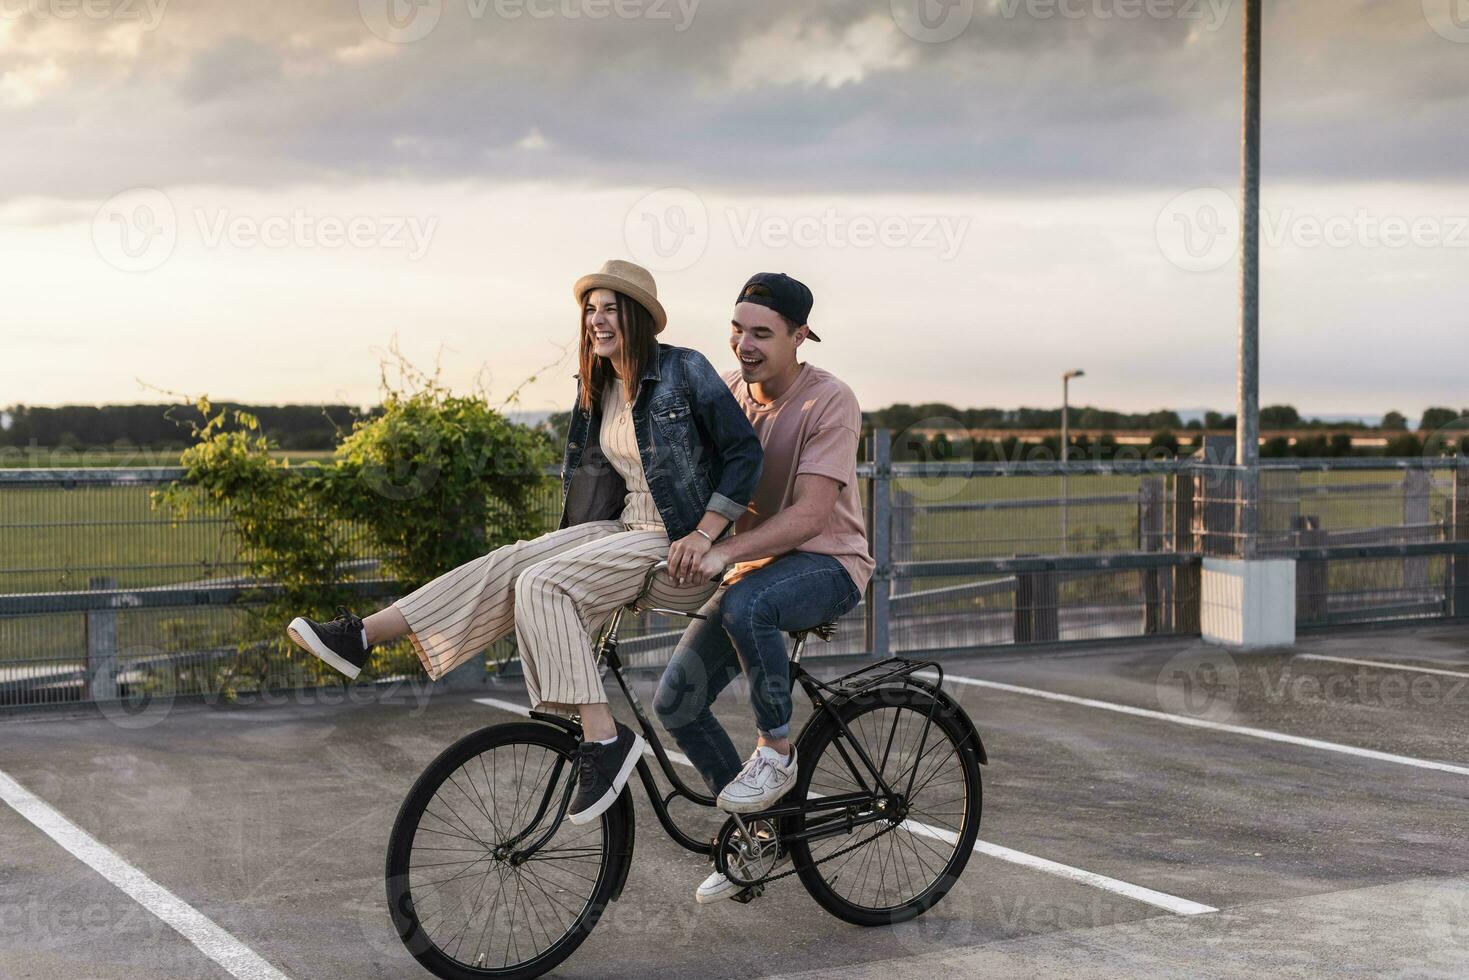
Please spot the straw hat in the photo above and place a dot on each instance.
(628, 279)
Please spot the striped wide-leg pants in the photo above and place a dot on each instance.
(556, 591)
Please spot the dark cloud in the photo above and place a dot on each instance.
(756, 94)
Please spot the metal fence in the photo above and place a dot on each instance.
(103, 598)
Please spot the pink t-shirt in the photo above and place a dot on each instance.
(813, 427)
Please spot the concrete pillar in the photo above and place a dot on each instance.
(1248, 604)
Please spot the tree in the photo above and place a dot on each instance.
(1279, 417)
(1276, 447)
(1437, 418)
(1404, 445)
(1394, 421)
(1164, 439)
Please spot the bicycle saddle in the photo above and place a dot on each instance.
(824, 630)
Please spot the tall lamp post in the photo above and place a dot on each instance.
(1247, 407)
(1066, 449)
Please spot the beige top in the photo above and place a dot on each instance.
(620, 446)
(813, 427)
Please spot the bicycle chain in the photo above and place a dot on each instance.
(846, 850)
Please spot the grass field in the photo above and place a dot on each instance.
(54, 539)
(12, 457)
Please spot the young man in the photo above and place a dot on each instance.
(799, 555)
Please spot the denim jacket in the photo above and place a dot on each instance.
(699, 451)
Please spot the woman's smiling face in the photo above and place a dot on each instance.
(601, 321)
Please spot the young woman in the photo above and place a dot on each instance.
(659, 462)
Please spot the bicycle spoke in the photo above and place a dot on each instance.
(879, 865)
(476, 907)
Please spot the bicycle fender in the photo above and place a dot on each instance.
(565, 724)
(947, 703)
(625, 801)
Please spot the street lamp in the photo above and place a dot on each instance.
(1066, 445)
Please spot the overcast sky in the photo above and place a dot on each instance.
(254, 200)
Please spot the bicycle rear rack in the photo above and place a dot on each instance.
(864, 679)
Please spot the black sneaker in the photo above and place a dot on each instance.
(601, 772)
(339, 642)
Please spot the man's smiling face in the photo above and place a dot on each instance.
(763, 341)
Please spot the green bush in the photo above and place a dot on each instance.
(434, 481)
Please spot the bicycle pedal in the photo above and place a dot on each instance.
(747, 895)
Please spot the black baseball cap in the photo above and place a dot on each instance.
(779, 292)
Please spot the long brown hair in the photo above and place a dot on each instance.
(638, 347)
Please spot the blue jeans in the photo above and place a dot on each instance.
(746, 630)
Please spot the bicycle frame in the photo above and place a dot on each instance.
(879, 799)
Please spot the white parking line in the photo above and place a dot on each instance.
(1385, 664)
(237, 958)
(1127, 709)
(1169, 903)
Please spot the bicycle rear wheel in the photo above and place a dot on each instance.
(897, 867)
(461, 902)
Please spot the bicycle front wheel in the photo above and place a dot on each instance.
(896, 867)
(465, 898)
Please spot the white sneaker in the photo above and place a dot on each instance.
(765, 778)
(717, 886)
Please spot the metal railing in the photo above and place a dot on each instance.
(102, 597)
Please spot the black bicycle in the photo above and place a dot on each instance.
(485, 877)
